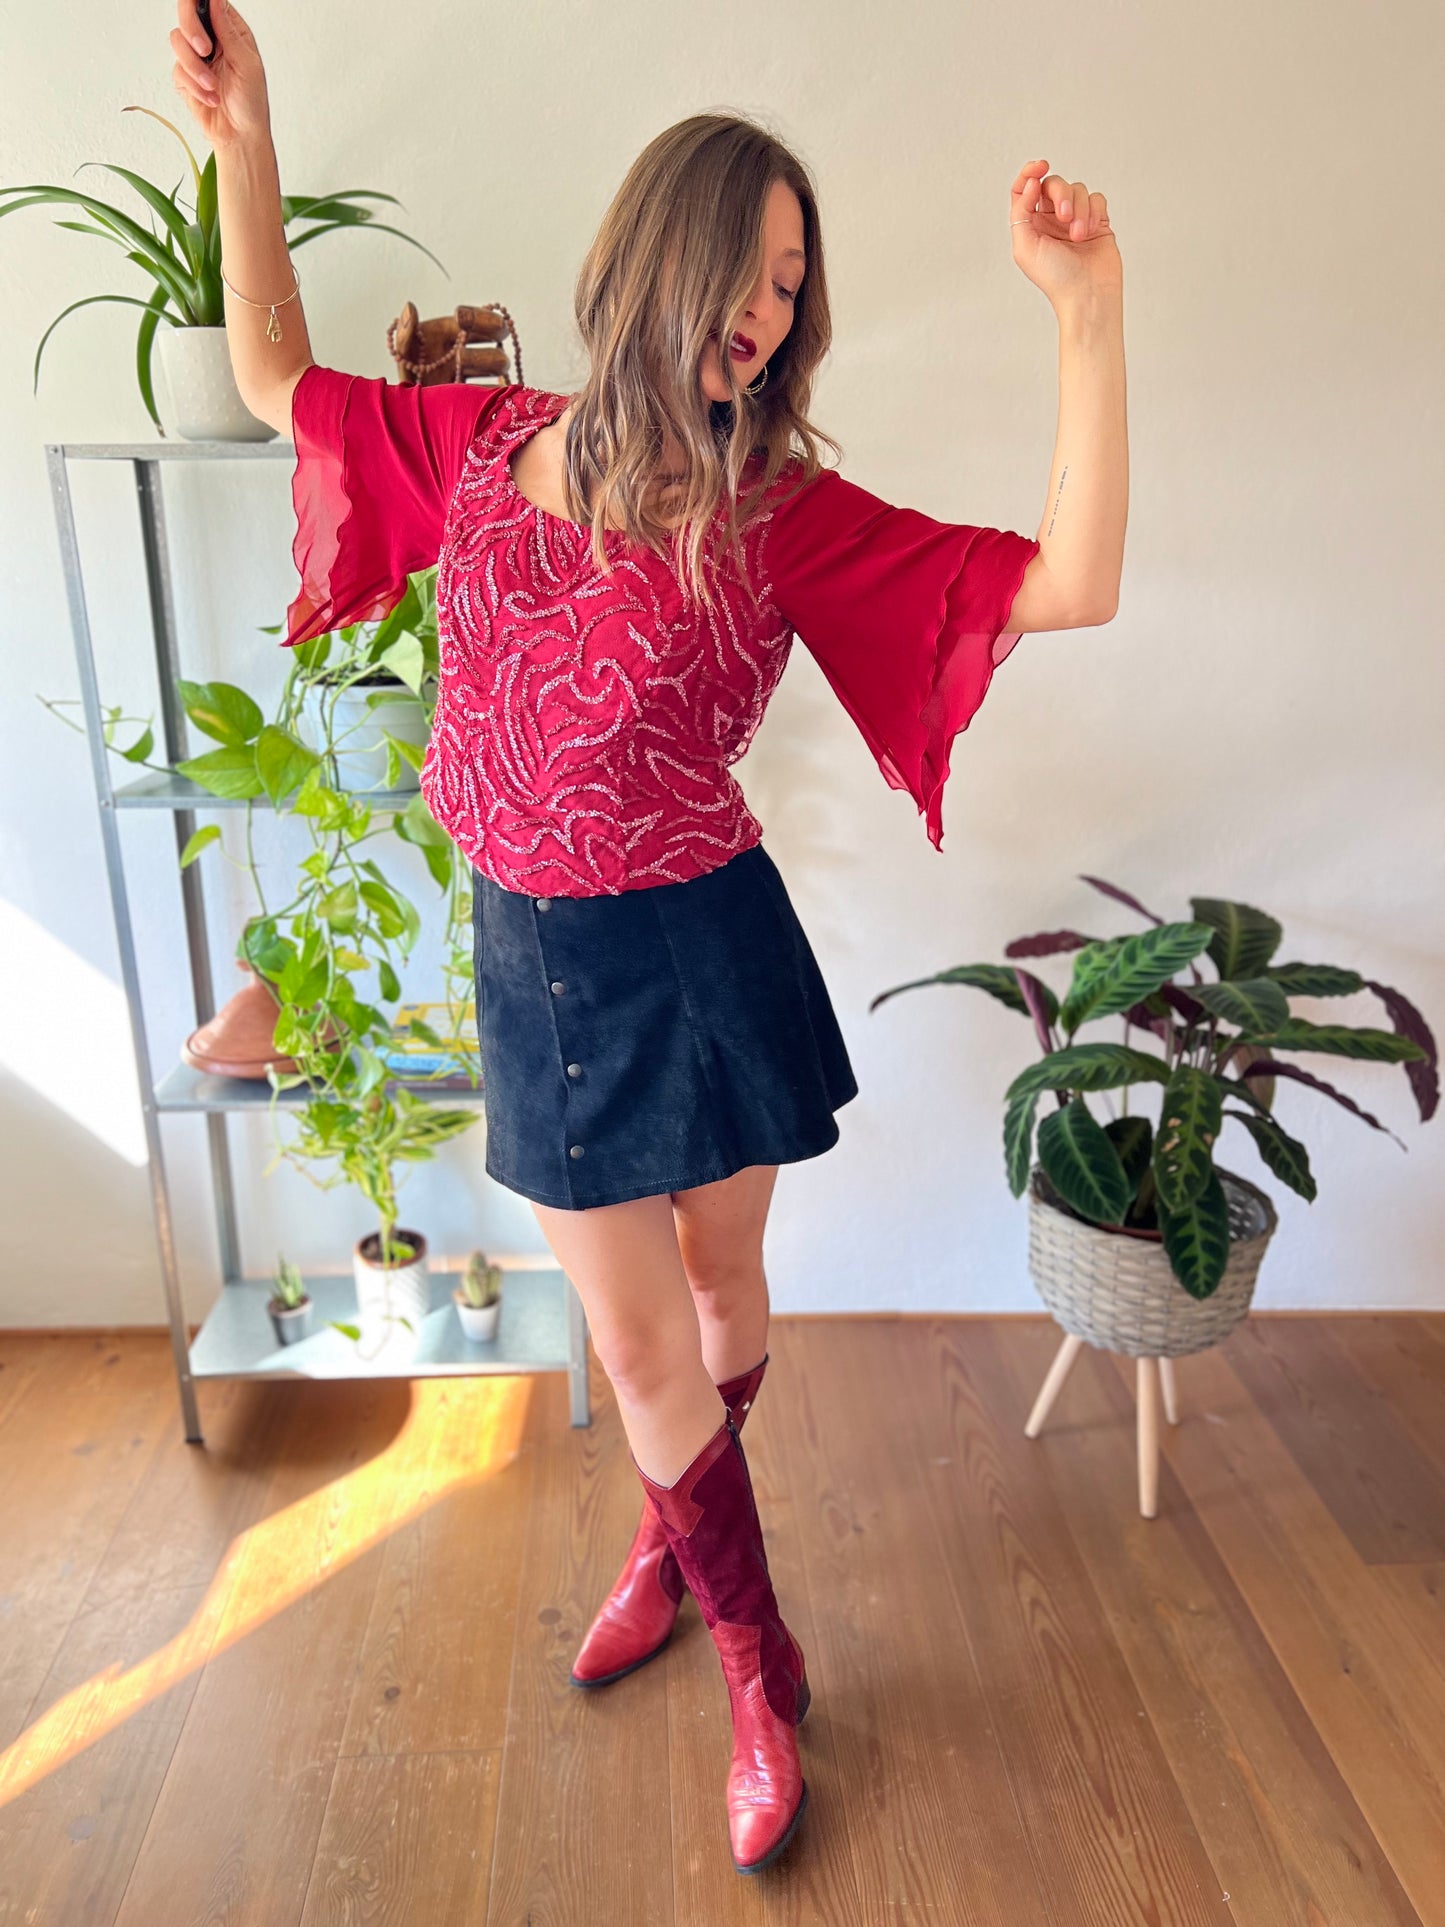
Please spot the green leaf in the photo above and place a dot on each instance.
(222, 710)
(1111, 976)
(1284, 1155)
(373, 1071)
(1089, 1067)
(316, 798)
(386, 977)
(264, 948)
(427, 1035)
(1133, 1141)
(1018, 1134)
(141, 747)
(1315, 980)
(1244, 938)
(1254, 1003)
(224, 772)
(282, 762)
(1189, 1120)
(1196, 1239)
(416, 824)
(202, 839)
(413, 753)
(404, 660)
(338, 907)
(1083, 1165)
(998, 981)
(311, 655)
(1341, 1040)
(384, 906)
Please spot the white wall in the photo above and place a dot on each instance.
(1262, 719)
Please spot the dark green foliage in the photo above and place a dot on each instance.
(1125, 1170)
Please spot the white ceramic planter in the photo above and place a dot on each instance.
(479, 1322)
(197, 394)
(386, 1295)
(361, 718)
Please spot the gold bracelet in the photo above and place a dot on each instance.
(273, 326)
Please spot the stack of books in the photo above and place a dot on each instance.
(444, 1063)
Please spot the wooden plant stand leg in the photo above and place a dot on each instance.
(1049, 1391)
(1147, 1385)
(1169, 1389)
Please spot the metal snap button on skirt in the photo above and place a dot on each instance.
(653, 1040)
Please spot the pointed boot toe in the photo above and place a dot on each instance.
(636, 1619)
(766, 1791)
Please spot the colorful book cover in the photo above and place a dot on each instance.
(411, 1056)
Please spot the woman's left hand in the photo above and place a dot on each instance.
(1063, 241)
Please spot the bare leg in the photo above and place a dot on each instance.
(720, 1236)
(626, 1265)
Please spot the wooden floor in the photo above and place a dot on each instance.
(316, 1672)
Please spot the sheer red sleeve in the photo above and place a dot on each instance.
(376, 465)
(906, 616)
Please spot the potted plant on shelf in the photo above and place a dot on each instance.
(290, 1304)
(184, 262)
(479, 1297)
(1138, 1242)
(347, 919)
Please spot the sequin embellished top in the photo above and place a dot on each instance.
(586, 722)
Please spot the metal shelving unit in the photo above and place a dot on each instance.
(542, 1325)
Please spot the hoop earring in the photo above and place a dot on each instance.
(757, 387)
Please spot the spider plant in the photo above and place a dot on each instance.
(183, 257)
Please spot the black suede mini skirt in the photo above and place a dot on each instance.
(652, 1040)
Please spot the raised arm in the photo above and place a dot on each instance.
(1063, 242)
(228, 98)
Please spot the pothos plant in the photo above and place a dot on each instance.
(346, 919)
(1223, 1043)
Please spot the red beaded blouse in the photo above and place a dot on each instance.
(585, 724)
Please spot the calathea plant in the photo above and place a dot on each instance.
(1223, 1044)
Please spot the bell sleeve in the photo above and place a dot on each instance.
(906, 616)
(376, 465)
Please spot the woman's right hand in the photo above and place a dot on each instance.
(228, 96)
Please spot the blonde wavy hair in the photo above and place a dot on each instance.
(677, 255)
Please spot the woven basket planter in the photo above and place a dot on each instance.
(1115, 1289)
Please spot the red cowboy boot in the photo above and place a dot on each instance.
(711, 1520)
(636, 1619)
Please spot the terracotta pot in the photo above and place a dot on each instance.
(237, 1040)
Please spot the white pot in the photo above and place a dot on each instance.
(479, 1322)
(359, 716)
(197, 393)
(387, 1294)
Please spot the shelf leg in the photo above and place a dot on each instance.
(124, 934)
(174, 733)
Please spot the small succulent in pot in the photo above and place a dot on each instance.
(290, 1304)
(479, 1296)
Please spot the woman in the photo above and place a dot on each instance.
(620, 575)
